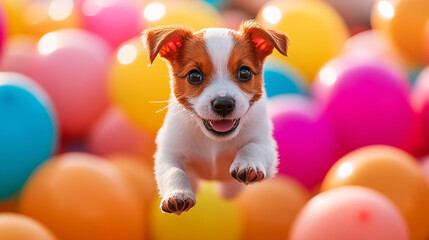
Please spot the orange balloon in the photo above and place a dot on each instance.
(392, 172)
(41, 17)
(142, 179)
(18, 227)
(269, 208)
(402, 21)
(81, 196)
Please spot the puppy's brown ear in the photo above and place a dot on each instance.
(265, 40)
(165, 41)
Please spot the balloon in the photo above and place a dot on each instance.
(16, 227)
(115, 21)
(298, 127)
(3, 27)
(140, 176)
(72, 67)
(115, 134)
(212, 218)
(13, 10)
(393, 173)
(426, 40)
(354, 13)
(367, 100)
(81, 196)
(425, 167)
(371, 43)
(316, 32)
(351, 213)
(28, 130)
(269, 208)
(402, 21)
(420, 100)
(193, 14)
(282, 78)
(139, 90)
(19, 54)
(42, 17)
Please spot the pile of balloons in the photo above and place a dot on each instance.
(80, 108)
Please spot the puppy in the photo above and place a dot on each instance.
(217, 124)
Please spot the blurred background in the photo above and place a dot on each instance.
(79, 110)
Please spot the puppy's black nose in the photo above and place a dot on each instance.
(223, 105)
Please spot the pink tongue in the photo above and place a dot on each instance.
(222, 125)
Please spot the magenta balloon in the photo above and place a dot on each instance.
(72, 66)
(352, 213)
(3, 28)
(116, 21)
(305, 140)
(368, 102)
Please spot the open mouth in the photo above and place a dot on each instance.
(221, 127)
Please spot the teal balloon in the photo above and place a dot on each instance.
(28, 131)
(281, 78)
(216, 3)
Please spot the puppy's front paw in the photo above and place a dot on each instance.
(247, 174)
(177, 202)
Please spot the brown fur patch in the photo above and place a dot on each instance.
(192, 54)
(243, 54)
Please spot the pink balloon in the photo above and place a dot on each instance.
(72, 67)
(306, 141)
(352, 213)
(425, 167)
(3, 28)
(367, 101)
(114, 20)
(420, 97)
(115, 134)
(18, 55)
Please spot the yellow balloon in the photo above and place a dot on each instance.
(139, 89)
(194, 14)
(392, 172)
(13, 10)
(41, 17)
(212, 218)
(403, 21)
(315, 30)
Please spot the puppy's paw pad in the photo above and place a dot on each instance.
(247, 175)
(177, 203)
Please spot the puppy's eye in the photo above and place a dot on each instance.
(244, 74)
(195, 77)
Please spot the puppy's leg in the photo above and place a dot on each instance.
(174, 185)
(255, 161)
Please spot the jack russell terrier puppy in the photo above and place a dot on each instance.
(217, 124)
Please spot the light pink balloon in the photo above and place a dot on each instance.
(425, 167)
(114, 20)
(420, 100)
(18, 54)
(115, 134)
(352, 213)
(72, 66)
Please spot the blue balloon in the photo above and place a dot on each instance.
(281, 78)
(28, 131)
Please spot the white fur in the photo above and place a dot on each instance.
(187, 151)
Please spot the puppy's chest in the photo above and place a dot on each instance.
(212, 165)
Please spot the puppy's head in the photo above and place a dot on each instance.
(216, 73)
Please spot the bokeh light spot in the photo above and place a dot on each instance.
(154, 11)
(60, 9)
(127, 54)
(48, 43)
(271, 14)
(328, 76)
(345, 170)
(386, 9)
